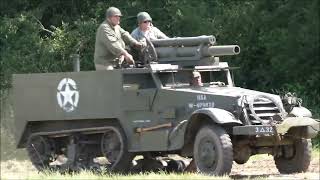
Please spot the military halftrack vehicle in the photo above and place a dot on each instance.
(152, 110)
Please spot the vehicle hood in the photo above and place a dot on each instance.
(227, 91)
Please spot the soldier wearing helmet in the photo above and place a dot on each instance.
(110, 42)
(146, 29)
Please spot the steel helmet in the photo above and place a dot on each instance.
(143, 16)
(113, 11)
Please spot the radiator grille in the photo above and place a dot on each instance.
(265, 110)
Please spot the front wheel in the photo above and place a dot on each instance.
(213, 152)
(294, 158)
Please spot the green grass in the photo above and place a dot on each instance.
(258, 157)
(90, 175)
(15, 169)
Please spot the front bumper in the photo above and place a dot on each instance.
(303, 127)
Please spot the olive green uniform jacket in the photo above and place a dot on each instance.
(110, 43)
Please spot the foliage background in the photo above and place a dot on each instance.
(279, 39)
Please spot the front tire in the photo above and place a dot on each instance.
(295, 158)
(213, 152)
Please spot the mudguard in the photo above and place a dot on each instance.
(219, 116)
(290, 122)
(300, 112)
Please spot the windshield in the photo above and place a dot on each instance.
(184, 78)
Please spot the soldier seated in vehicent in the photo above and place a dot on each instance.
(146, 29)
(196, 79)
(110, 42)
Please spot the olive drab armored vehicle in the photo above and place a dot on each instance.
(71, 120)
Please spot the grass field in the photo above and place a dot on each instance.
(258, 167)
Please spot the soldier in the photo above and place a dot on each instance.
(110, 42)
(196, 79)
(146, 29)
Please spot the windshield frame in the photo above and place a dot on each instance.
(173, 83)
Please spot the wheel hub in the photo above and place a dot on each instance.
(207, 153)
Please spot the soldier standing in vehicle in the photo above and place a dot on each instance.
(110, 42)
(146, 29)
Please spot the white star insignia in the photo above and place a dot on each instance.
(67, 95)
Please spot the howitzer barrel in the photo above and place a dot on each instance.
(164, 52)
(197, 52)
(184, 41)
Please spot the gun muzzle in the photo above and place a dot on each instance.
(226, 50)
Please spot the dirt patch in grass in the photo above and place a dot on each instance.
(264, 166)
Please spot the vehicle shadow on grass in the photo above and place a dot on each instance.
(238, 176)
